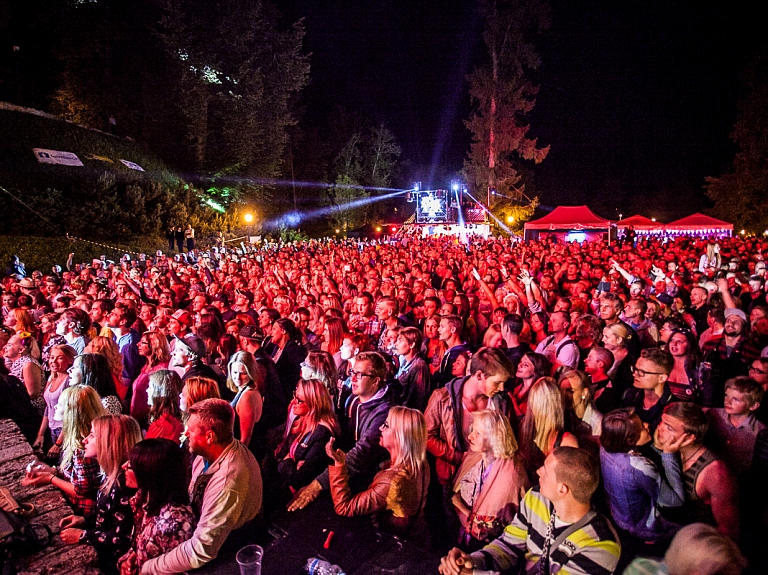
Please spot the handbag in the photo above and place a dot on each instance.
(17, 536)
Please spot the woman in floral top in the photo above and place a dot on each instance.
(77, 475)
(109, 529)
(163, 517)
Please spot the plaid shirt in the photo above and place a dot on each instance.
(370, 327)
(85, 475)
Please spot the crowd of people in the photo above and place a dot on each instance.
(509, 406)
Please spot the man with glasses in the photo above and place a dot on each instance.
(364, 413)
(651, 393)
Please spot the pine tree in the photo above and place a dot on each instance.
(502, 96)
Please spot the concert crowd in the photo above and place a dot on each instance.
(508, 406)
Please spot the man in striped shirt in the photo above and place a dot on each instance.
(555, 530)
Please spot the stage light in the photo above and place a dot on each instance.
(378, 229)
(510, 219)
(338, 230)
(455, 187)
(248, 218)
(653, 219)
(416, 186)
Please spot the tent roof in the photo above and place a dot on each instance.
(639, 223)
(698, 221)
(569, 217)
(637, 220)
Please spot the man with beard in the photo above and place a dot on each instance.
(729, 356)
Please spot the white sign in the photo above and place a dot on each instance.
(56, 157)
(132, 165)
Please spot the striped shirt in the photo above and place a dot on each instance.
(591, 550)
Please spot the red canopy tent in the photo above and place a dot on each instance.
(699, 225)
(641, 225)
(565, 221)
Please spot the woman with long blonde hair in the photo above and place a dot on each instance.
(397, 495)
(543, 427)
(491, 480)
(246, 377)
(301, 456)
(109, 529)
(77, 475)
(18, 351)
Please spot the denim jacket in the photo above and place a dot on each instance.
(636, 489)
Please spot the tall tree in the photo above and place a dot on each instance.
(208, 85)
(740, 194)
(384, 152)
(501, 97)
(365, 162)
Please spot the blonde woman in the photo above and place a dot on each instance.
(543, 427)
(108, 348)
(490, 482)
(77, 475)
(301, 456)
(163, 399)
(246, 377)
(18, 351)
(397, 495)
(109, 529)
(616, 338)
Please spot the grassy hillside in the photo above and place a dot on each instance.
(23, 129)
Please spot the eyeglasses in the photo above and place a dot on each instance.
(385, 425)
(754, 369)
(359, 374)
(643, 373)
(297, 399)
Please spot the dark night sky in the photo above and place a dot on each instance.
(637, 99)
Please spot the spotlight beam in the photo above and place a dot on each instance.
(502, 225)
(295, 218)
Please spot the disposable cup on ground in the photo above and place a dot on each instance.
(249, 560)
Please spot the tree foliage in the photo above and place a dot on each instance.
(207, 85)
(502, 96)
(740, 194)
(365, 162)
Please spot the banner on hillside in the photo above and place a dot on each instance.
(56, 157)
(132, 165)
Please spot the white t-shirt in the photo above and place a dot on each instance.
(565, 352)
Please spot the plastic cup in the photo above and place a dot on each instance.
(249, 559)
